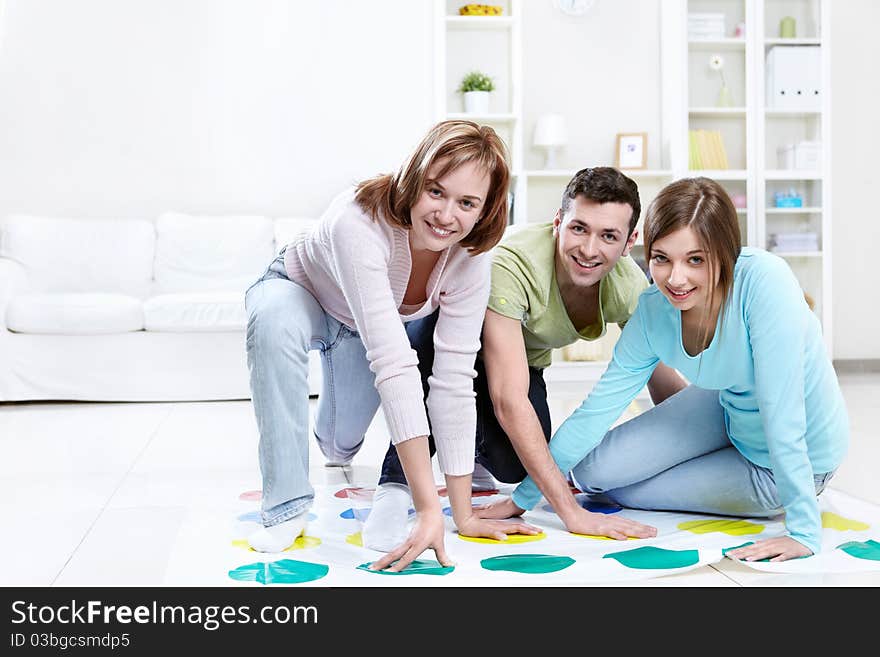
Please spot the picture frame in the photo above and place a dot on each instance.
(632, 150)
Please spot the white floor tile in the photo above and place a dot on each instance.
(75, 438)
(35, 548)
(148, 494)
(858, 473)
(126, 547)
(746, 576)
(47, 495)
(204, 436)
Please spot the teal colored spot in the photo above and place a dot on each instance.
(764, 560)
(726, 550)
(868, 550)
(649, 557)
(531, 564)
(285, 571)
(417, 567)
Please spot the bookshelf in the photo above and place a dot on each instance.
(778, 147)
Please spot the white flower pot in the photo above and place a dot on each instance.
(476, 102)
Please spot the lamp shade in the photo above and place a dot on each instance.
(550, 130)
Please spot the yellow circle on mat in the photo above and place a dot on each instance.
(355, 539)
(729, 527)
(602, 538)
(301, 543)
(511, 538)
(834, 521)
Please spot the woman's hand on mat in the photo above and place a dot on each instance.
(427, 534)
(477, 527)
(782, 548)
(602, 524)
(500, 510)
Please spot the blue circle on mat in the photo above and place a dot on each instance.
(595, 507)
(254, 516)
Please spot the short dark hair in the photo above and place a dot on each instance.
(604, 185)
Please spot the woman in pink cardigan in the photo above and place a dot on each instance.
(394, 249)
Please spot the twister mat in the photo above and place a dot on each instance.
(211, 550)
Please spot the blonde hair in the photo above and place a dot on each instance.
(390, 196)
(704, 206)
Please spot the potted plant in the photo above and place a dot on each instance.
(475, 87)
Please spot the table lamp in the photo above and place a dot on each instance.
(550, 135)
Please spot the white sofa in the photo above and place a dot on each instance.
(131, 310)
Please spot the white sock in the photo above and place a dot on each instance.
(278, 538)
(385, 527)
(482, 479)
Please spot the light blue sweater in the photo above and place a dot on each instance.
(782, 404)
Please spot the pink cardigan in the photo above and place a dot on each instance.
(358, 270)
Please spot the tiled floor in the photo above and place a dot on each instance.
(98, 494)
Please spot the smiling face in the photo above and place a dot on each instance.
(590, 238)
(448, 207)
(680, 268)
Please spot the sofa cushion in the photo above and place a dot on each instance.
(195, 312)
(210, 253)
(75, 314)
(288, 228)
(81, 255)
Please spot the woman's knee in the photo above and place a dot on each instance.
(275, 318)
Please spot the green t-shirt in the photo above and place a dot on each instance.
(524, 288)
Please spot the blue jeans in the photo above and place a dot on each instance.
(285, 322)
(677, 456)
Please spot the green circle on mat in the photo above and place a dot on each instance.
(870, 549)
(649, 557)
(417, 567)
(284, 571)
(531, 564)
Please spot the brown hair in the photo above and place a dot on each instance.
(704, 206)
(390, 196)
(604, 185)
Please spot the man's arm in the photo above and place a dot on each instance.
(664, 383)
(507, 373)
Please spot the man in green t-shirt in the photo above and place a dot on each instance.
(552, 284)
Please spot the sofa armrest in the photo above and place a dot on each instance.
(12, 281)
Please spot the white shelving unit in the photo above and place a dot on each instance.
(753, 129)
(494, 46)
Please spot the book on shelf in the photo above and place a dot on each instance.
(706, 150)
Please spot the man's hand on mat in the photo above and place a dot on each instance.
(500, 510)
(498, 529)
(612, 526)
(776, 549)
(426, 534)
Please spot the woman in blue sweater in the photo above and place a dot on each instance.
(762, 427)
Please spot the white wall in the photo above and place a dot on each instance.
(855, 107)
(602, 73)
(132, 107)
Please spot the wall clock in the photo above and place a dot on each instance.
(574, 7)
